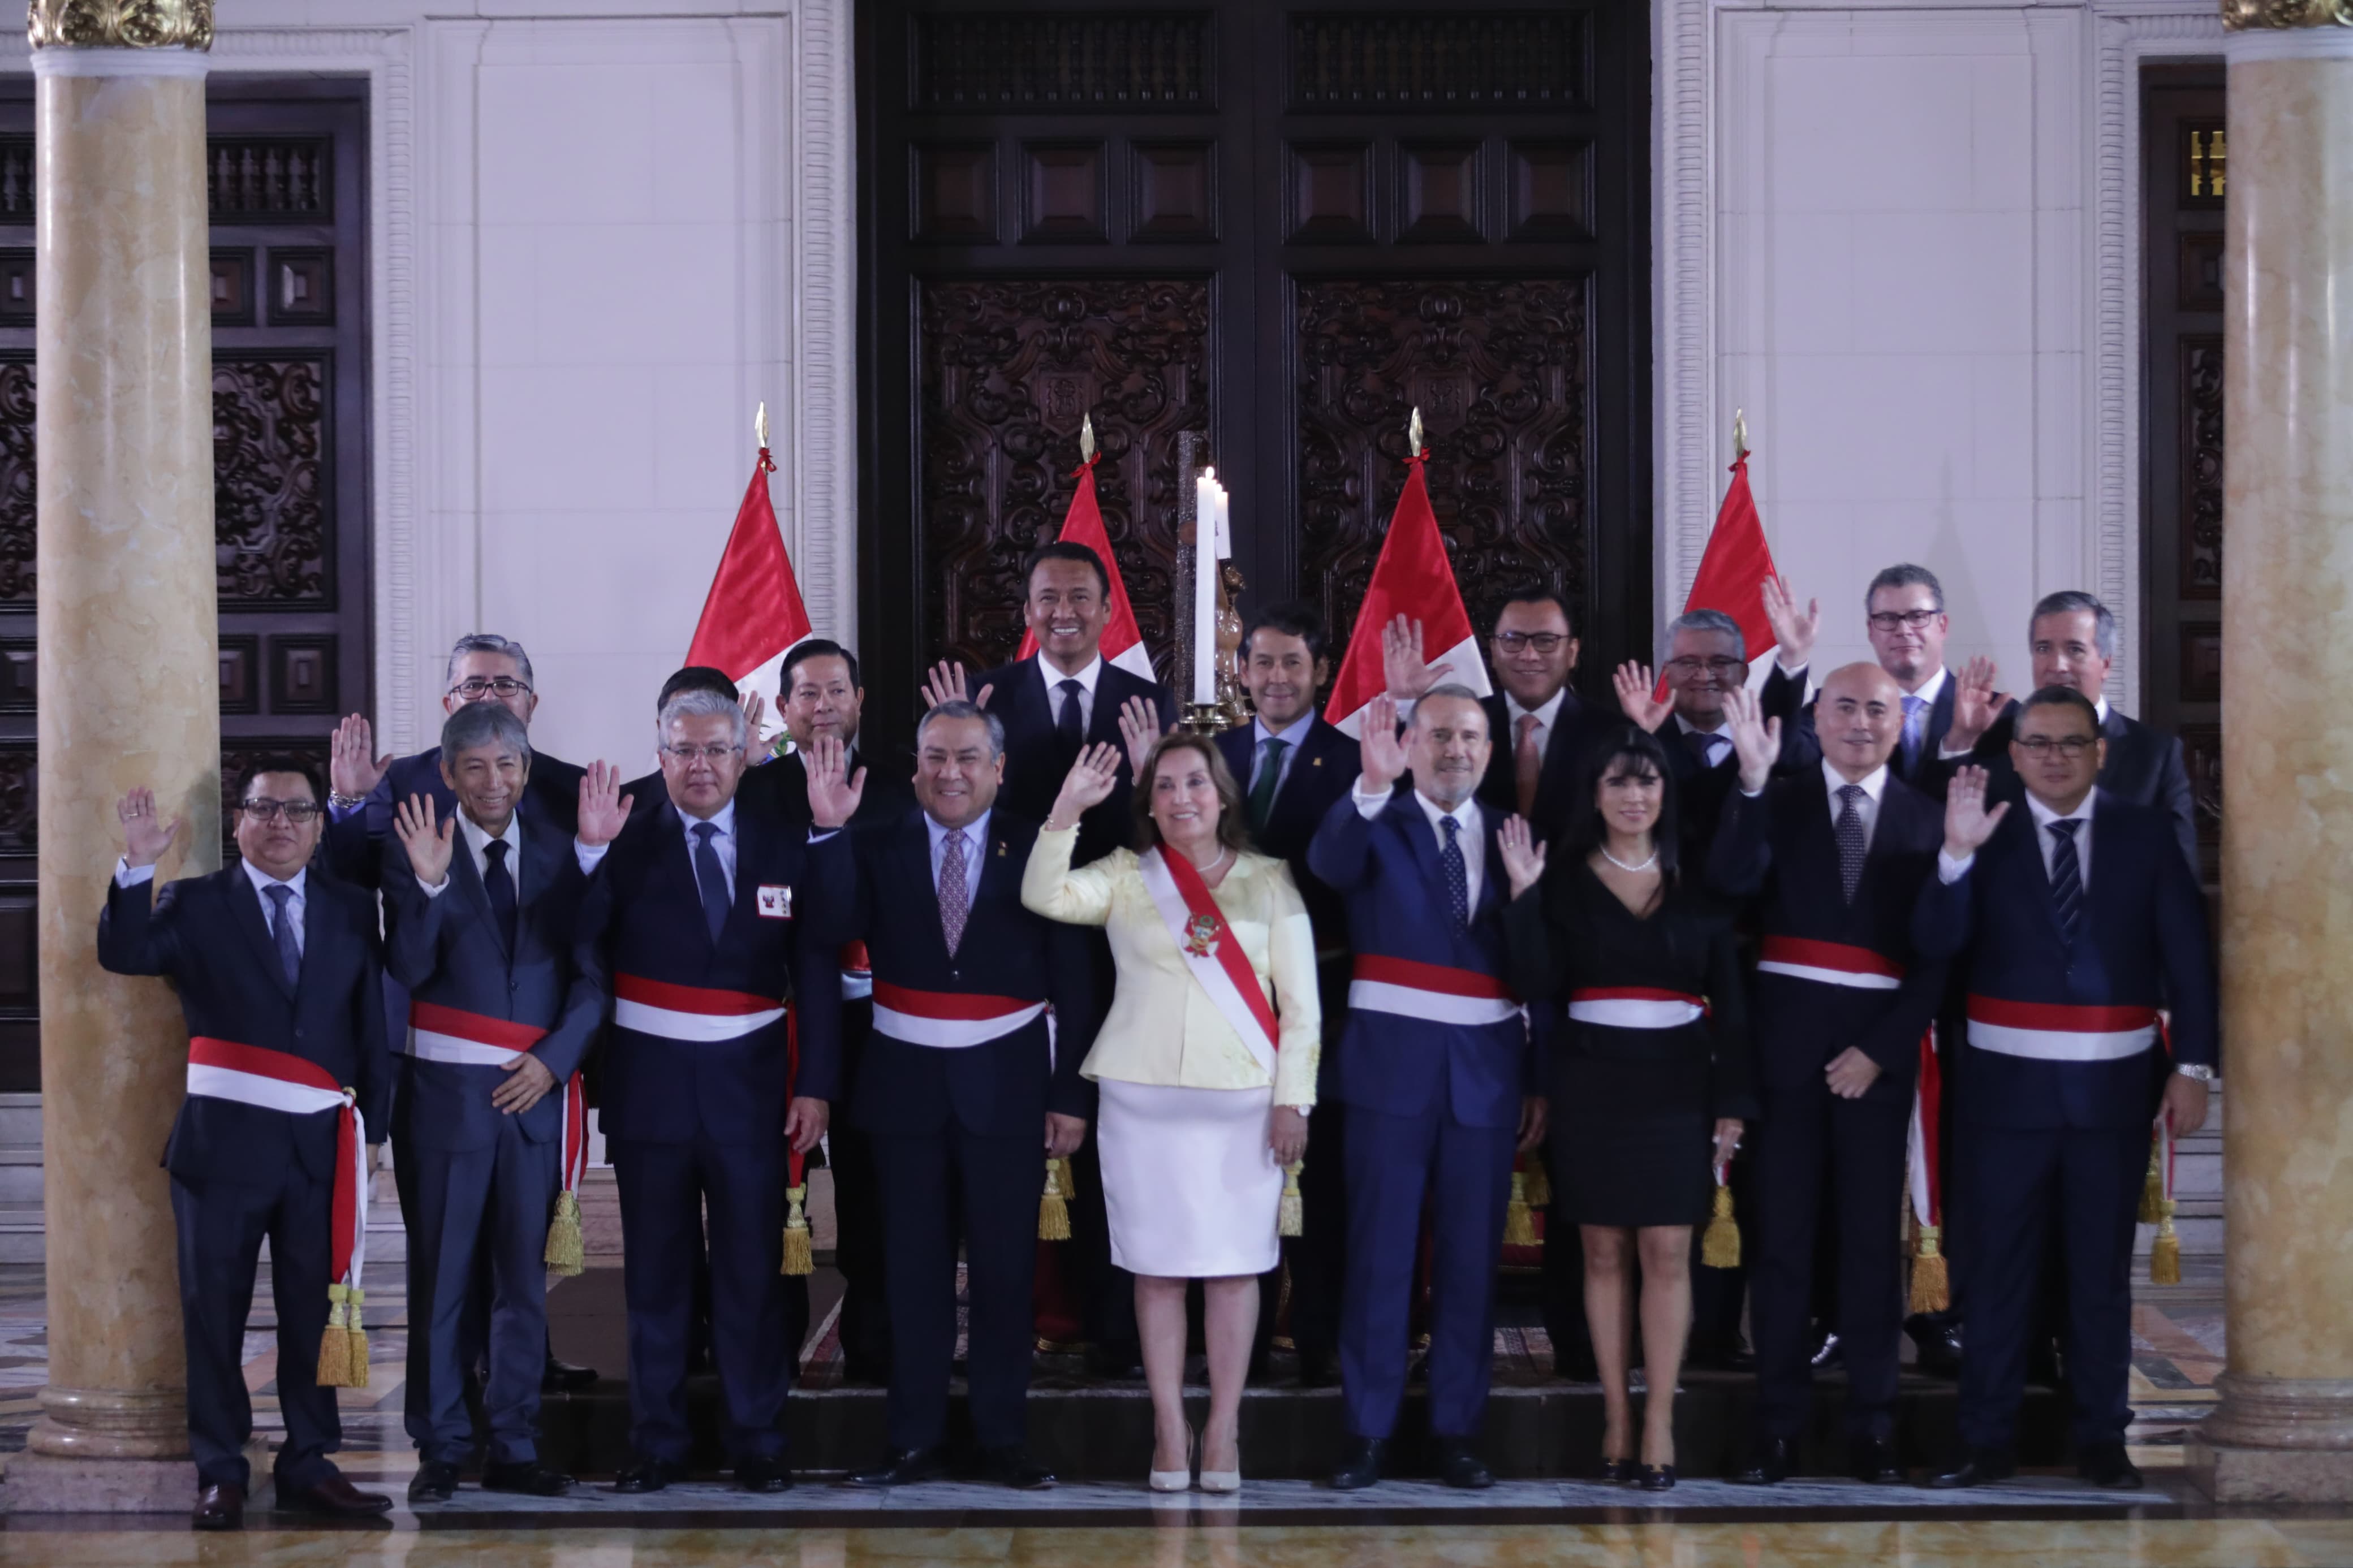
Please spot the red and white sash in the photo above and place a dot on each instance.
(1208, 949)
(1433, 993)
(439, 1034)
(2056, 1032)
(1922, 1151)
(1831, 962)
(1635, 1006)
(694, 1014)
(947, 1020)
(857, 973)
(280, 1080)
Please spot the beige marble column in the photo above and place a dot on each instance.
(2283, 1431)
(128, 696)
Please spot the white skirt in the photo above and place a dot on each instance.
(1189, 1179)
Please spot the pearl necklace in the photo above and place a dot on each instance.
(1213, 862)
(1636, 870)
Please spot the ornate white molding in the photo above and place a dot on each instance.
(823, 271)
(1683, 290)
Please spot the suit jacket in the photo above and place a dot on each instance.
(643, 917)
(2143, 941)
(449, 952)
(210, 937)
(1779, 849)
(880, 874)
(1387, 868)
(1035, 763)
(1573, 728)
(1324, 770)
(1700, 791)
(1802, 748)
(779, 788)
(354, 844)
(2145, 766)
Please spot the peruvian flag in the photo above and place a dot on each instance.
(754, 613)
(1123, 643)
(1412, 578)
(1732, 569)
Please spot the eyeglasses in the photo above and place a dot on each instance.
(1890, 620)
(263, 809)
(710, 753)
(2070, 746)
(474, 690)
(1543, 642)
(1688, 667)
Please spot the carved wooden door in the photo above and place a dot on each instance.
(287, 168)
(1281, 227)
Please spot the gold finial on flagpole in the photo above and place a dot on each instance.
(1739, 434)
(1087, 438)
(760, 423)
(1413, 432)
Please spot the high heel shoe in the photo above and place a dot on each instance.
(1657, 1479)
(1179, 1481)
(1224, 1480)
(1620, 1472)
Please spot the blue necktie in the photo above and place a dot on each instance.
(710, 878)
(1916, 724)
(290, 952)
(2067, 878)
(1458, 874)
(499, 885)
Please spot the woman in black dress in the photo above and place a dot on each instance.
(1651, 1076)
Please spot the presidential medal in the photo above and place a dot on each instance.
(1201, 936)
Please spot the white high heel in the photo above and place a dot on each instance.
(1225, 1480)
(1175, 1480)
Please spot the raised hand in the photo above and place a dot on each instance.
(428, 848)
(945, 683)
(603, 809)
(353, 766)
(1793, 629)
(145, 835)
(1635, 688)
(1403, 671)
(1524, 857)
(1974, 701)
(1382, 750)
(755, 707)
(833, 795)
(1755, 740)
(1089, 784)
(1967, 823)
(1139, 726)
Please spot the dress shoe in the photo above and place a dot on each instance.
(1011, 1466)
(334, 1495)
(2105, 1464)
(1938, 1347)
(646, 1475)
(1773, 1462)
(1360, 1464)
(909, 1467)
(1620, 1472)
(562, 1377)
(1457, 1466)
(434, 1481)
(1872, 1460)
(1657, 1479)
(1984, 1466)
(1828, 1351)
(219, 1507)
(528, 1476)
(1316, 1370)
(763, 1473)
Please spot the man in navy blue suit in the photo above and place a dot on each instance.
(2079, 919)
(1835, 858)
(698, 924)
(277, 969)
(502, 1018)
(1435, 1067)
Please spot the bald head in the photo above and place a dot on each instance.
(1859, 718)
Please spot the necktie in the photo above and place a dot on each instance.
(710, 878)
(1458, 874)
(1849, 833)
(499, 884)
(281, 920)
(1527, 763)
(1270, 777)
(955, 898)
(2067, 878)
(1703, 746)
(1071, 725)
(1915, 722)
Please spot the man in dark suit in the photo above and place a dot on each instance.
(1291, 766)
(698, 924)
(277, 969)
(2078, 918)
(1904, 612)
(502, 1018)
(1836, 860)
(970, 1087)
(1435, 1068)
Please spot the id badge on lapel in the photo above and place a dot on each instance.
(775, 902)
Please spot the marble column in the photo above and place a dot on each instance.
(128, 695)
(2284, 1430)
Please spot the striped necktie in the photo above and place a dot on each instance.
(2067, 878)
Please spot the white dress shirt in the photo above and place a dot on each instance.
(1951, 870)
(477, 844)
(1055, 696)
(1470, 836)
(723, 843)
(1546, 715)
(1722, 734)
(1292, 737)
(976, 836)
(1867, 807)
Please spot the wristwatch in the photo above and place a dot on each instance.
(2198, 1071)
(345, 802)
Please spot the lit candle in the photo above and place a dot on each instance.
(1204, 587)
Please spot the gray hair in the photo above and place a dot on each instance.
(1905, 575)
(484, 724)
(488, 642)
(960, 709)
(1447, 689)
(1707, 621)
(697, 704)
(2074, 601)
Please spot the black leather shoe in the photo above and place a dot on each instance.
(335, 1495)
(1010, 1466)
(529, 1477)
(219, 1508)
(1984, 1466)
(909, 1467)
(1457, 1466)
(433, 1482)
(646, 1475)
(1360, 1464)
(1937, 1344)
(764, 1474)
(1620, 1472)
(1872, 1460)
(1657, 1479)
(1316, 1370)
(1773, 1462)
(2105, 1464)
(562, 1377)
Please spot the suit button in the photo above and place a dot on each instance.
(298, 1034)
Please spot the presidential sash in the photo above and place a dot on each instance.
(1208, 949)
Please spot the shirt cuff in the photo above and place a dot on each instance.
(340, 813)
(1949, 870)
(1797, 673)
(1368, 806)
(438, 888)
(589, 856)
(126, 875)
(819, 834)
(1947, 756)
(1747, 794)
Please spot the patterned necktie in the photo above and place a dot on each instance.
(1527, 763)
(1915, 725)
(955, 898)
(500, 886)
(1071, 725)
(710, 878)
(1849, 833)
(1270, 778)
(2067, 878)
(1458, 874)
(281, 920)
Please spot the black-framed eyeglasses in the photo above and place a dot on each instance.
(261, 808)
(1891, 620)
(503, 687)
(710, 753)
(2068, 746)
(1543, 642)
(1689, 666)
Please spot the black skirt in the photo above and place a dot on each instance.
(1632, 1143)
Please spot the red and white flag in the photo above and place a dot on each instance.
(754, 613)
(1123, 642)
(1733, 567)
(1414, 578)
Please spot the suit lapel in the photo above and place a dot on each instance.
(469, 885)
(910, 853)
(245, 904)
(673, 857)
(1102, 725)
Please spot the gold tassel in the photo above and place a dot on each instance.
(1291, 1212)
(1519, 1230)
(2152, 1191)
(355, 1345)
(2165, 1252)
(1720, 1248)
(801, 1258)
(1932, 1289)
(566, 1251)
(1539, 1189)
(1068, 1176)
(1053, 1207)
(335, 1344)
